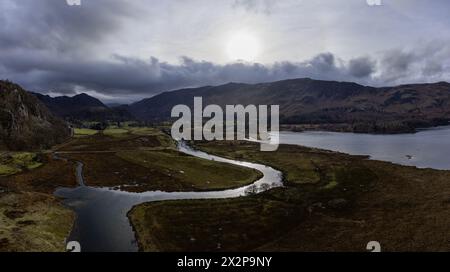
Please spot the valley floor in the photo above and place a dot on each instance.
(31, 218)
(145, 159)
(330, 201)
(134, 160)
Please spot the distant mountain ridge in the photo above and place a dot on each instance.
(66, 106)
(84, 107)
(25, 122)
(304, 104)
(327, 104)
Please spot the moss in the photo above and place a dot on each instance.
(145, 131)
(40, 223)
(6, 170)
(31, 218)
(80, 132)
(26, 160)
(331, 185)
(34, 165)
(115, 132)
(12, 163)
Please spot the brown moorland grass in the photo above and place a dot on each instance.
(352, 201)
(166, 170)
(31, 218)
(33, 222)
(146, 159)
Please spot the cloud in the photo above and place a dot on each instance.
(425, 62)
(396, 64)
(361, 67)
(53, 25)
(106, 46)
(125, 75)
(433, 68)
(257, 6)
(324, 62)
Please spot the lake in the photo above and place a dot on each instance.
(428, 148)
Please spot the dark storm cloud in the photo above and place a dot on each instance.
(324, 62)
(53, 25)
(361, 67)
(397, 63)
(121, 74)
(422, 63)
(47, 45)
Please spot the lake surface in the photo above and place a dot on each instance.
(102, 224)
(428, 148)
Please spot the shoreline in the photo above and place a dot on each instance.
(361, 185)
(210, 194)
(347, 128)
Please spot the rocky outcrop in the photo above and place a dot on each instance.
(25, 123)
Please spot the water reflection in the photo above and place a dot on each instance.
(428, 148)
(102, 223)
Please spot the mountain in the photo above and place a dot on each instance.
(321, 104)
(113, 105)
(78, 105)
(25, 122)
(84, 107)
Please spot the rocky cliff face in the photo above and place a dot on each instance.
(25, 123)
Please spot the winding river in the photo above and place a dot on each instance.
(102, 224)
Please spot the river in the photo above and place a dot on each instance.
(102, 224)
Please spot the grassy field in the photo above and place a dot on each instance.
(300, 165)
(33, 222)
(115, 131)
(116, 139)
(183, 226)
(146, 159)
(83, 132)
(193, 173)
(331, 202)
(31, 219)
(16, 162)
(44, 179)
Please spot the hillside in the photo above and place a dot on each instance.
(322, 104)
(84, 107)
(25, 123)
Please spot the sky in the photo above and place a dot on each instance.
(123, 51)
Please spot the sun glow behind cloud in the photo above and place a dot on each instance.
(243, 46)
(146, 47)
